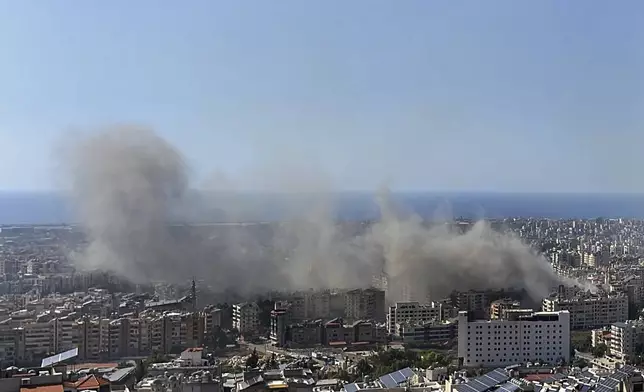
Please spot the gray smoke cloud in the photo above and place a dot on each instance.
(132, 190)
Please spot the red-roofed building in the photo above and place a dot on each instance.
(90, 382)
(43, 388)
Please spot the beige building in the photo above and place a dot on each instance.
(589, 311)
(365, 304)
(35, 341)
(246, 317)
(63, 334)
(412, 313)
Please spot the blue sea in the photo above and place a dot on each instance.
(49, 208)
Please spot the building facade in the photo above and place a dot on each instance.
(542, 336)
(412, 313)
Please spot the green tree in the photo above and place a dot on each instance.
(580, 362)
(363, 367)
(253, 360)
(599, 350)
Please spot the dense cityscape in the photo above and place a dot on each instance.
(320, 196)
(587, 332)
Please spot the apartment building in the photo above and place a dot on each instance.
(280, 321)
(412, 313)
(336, 332)
(63, 330)
(35, 341)
(213, 318)
(426, 332)
(157, 334)
(365, 304)
(626, 338)
(472, 301)
(588, 311)
(318, 304)
(498, 307)
(541, 336)
(7, 346)
(92, 337)
(246, 317)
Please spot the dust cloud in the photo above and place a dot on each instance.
(132, 193)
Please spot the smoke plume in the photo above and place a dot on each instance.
(132, 193)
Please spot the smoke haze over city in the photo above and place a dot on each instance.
(129, 184)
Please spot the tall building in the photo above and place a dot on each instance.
(588, 311)
(246, 317)
(541, 336)
(498, 307)
(412, 313)
(7, 346)
(35, 341)
(280, 321)
(626, 338)
(365, 304)
(63, 329)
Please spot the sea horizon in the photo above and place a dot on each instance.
(50, 207)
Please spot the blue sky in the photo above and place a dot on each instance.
(429, 95)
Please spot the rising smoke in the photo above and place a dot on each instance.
(129, 185)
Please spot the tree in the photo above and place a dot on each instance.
(581, 341)
(580, 362)
(599, 350)
(272, 362)
(140, 370)
(253, 360)
(363, 367)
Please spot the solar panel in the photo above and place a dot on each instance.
(398, 377)
(388, 382)
(394, 379)
(467, 387)
(407, 372)
(69, 354)
(57, 358)
(478, 385)
(351, 387)
(508, 387)
(484, 382)
(499, 375)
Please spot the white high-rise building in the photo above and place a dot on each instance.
(626, 338)
(541, 336)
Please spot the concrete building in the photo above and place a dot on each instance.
(7, 346)
(246, 317)
(589, 311)
(498, 307)
(305, 334)
(412, 313)
(63, 334)
(280, 321)
(365, 304)
(626, 338)
(542, 336)
(426, 333)
(35, 341)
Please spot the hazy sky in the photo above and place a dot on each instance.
(431, 95)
